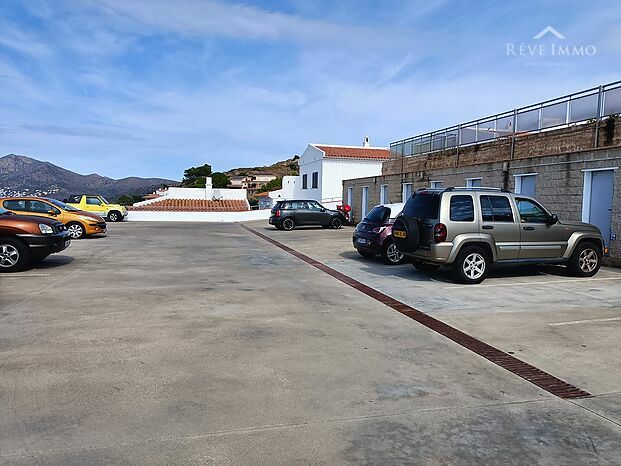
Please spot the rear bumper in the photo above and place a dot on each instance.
(48, 244)
(437, 253)
(367, 242)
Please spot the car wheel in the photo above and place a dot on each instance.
(115, 216)
(425, 267)
(288, 224)
(586, 260)
(76, 230)
(471, 266)
(14, 255)
(365, 253)
(336, 223)
(391, 254)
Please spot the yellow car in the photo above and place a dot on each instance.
(79, 223)
(98, 205)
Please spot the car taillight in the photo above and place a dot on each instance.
(439, 233)
(278, 213)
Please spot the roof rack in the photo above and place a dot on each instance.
(478, 188)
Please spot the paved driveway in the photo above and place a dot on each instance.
(205, 344)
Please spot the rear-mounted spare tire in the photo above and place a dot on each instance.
(405, 234)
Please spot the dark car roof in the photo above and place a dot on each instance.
(298, 200)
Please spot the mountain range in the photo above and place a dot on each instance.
(21, 175)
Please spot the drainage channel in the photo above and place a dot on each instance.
(536, 376)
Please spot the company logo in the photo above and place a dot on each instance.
(549, 42)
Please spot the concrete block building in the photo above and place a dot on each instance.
(570, 162)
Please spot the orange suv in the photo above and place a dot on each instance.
(27, 239)
(79, 223)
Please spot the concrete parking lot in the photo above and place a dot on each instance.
(205, 344)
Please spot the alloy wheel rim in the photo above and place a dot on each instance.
(113, 217)
(393, 253)
(287, 224)
(474, 266)
(75, 231)
(9, 255)
(336, 223)
(587, 261)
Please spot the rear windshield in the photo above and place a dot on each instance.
(378, 214)
(423, 204)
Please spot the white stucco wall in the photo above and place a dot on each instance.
(198, 193)
(214, 217)
(336, 170)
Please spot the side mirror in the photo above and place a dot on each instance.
(323, 209)
(553, 219)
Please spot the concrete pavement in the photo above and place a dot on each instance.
(203, 344)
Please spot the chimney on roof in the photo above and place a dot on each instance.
(366, 142)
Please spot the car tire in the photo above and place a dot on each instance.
(336, 223)
(585, 260)
(425, 267)
(412, 239)
(14, 255)
(288, 224)
(471, 266)
(76, 230)
(115, 216)
(390, 254)
(364, 253)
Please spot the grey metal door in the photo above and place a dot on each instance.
(600, 209)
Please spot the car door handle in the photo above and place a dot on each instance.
(529, 228)
(488, 227)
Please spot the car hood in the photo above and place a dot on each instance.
(87, 214)
(573, 223)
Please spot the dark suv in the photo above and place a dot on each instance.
(470, 229)
(286, 215)
(27, 239)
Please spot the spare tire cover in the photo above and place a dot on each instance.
(409, 241)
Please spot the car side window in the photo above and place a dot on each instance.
(298, 205)
(530, 212)
(38, 207)
(14, 205)
(314, 206)
(462, 209)
(74, 199)
(93, 201)
(496, 209)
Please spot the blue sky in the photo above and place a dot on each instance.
(149, 88)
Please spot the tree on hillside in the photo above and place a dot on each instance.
(129, 199)
(219, 180)
(191, 175)
(273, 185)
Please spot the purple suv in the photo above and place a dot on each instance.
(373, 235)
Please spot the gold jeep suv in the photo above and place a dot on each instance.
(78, 223)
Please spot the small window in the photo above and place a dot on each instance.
(473, 182)
(462, 209)
(526, 184)
(407, 192)
(93, 201)
(531, 212)
(315, 180)
(305, 181)
(14, 205)
(384, 194)
(496, 209)
(437, 185)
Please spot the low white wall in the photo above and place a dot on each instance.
(155, 216)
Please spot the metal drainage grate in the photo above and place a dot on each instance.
(520, 368)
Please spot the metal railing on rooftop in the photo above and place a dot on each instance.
(591, 104)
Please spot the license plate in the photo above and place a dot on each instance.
(361, 241)
(399, 234)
